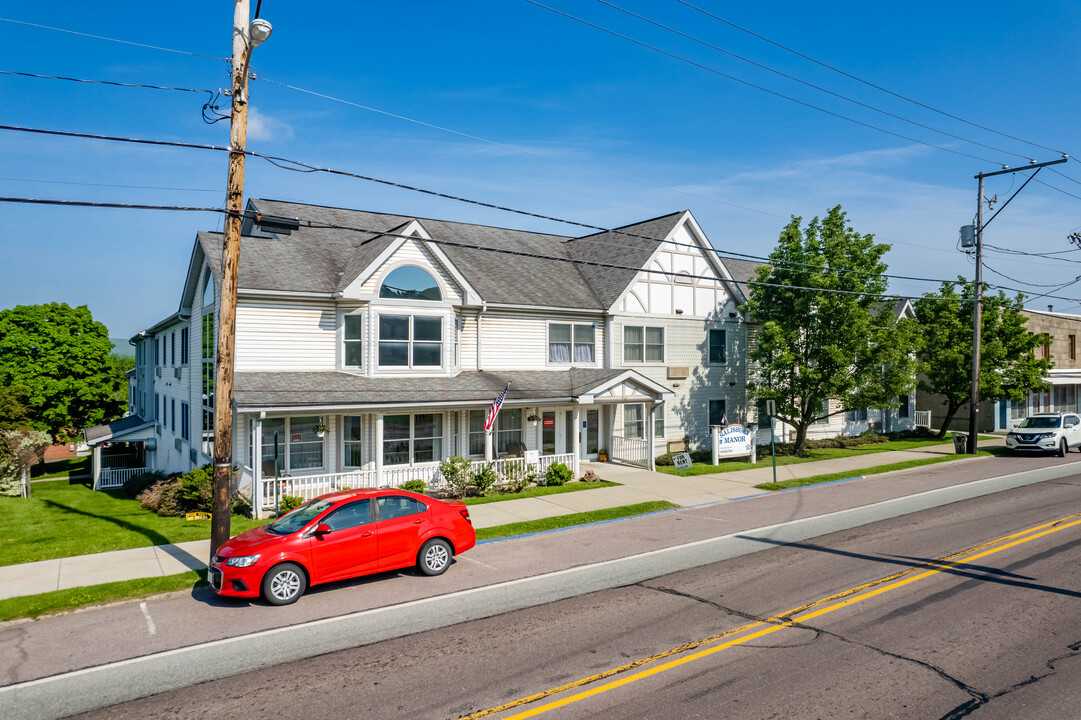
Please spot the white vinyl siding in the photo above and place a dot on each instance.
(283, 335)
(411, 253)
(519, 341)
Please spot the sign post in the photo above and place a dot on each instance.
(771, 407)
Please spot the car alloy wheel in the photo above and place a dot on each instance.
(434, 557)
(1063, 448)
(284, 584)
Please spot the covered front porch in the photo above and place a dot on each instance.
(305, 452)
(120, 450)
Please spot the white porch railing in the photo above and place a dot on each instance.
(923, 418)
(116, 477)
(311, 486)
(118, 461)
(634, 451)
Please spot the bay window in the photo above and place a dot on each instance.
(354, 343)
(410, 341)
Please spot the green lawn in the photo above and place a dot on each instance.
(812, 456)
(60, 600)
(830, 477)
(62, 519)
(61, 468)
(539, 491)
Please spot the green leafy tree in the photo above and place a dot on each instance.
(1008, 364)
(839, 341)
(14, 407)
(61, 356)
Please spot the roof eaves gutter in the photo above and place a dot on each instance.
(547, 309)
(451, 404)
(254, 292)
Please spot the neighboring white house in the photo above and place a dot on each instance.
(395, 334)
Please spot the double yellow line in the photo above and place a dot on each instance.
(773, 624)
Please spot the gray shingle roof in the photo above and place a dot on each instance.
(329, 259)
(255, 390)
(99, 433)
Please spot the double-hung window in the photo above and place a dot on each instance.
(571, 342)
(185, 421)
(353, 443)
(410, 341)
(476, 431)
(643, 344)
(717, 412)
(718, 346)
(634, 425)
(411, 439)
(354, 343)
(856, 415)
(508, 429)
(299, 447)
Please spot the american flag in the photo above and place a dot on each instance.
(724, 418)
(494, 409)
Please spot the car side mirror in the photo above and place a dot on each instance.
(321, 529)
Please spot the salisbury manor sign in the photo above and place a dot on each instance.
(733, 441)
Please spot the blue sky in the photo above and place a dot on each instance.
(583, 125)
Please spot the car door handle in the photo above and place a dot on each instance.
(417, 522)
(367, 534)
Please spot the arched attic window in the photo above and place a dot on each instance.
(410, 283)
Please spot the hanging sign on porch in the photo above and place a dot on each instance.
(549, 422)
(733, 441)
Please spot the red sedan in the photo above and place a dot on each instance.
(342, 535)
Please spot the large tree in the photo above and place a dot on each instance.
(60, 354)
(1008, 364)
(826, 332)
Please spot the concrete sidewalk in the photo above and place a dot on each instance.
(636, 486)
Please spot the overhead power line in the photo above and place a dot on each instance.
(809, 84)
(789, 98)
(124, 42)
(865, 82)
(104, 82)
(505, 251)
(301, 166)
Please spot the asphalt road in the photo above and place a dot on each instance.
(966, 610)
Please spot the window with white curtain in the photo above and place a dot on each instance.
(567, 341)
(643, 344)
(634, 425)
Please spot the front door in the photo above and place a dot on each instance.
(548, 433)
(349, 549)
(592, 434)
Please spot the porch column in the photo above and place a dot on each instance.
(651, 460)
(488, 455)
(379, 449)
(257, 467)
(576, 439)
(95, 464)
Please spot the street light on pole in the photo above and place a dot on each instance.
(245, 37)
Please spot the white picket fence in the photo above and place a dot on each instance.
(923, 418)
(633, 451)
(311, 486)
(116, 477)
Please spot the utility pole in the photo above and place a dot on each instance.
(977, 290)
(221, 507)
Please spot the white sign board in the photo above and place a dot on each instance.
(682, 461)
(532, 457)
(733, 441)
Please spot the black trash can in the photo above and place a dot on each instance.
(960, 443)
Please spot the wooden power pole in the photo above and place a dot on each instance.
(234, 202)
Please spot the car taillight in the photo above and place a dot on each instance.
(465, 514)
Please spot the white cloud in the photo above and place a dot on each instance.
(264, 127)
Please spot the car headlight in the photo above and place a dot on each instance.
(242, 560)
(1044, 436)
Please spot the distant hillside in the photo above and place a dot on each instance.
(122, 348)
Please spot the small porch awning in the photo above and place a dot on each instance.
(329, 391)
(130, 429)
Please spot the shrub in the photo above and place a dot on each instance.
(151, 497)
(289, 502)
(665, 460)
(558, 474)
(241, 506)
(483, 479)
(516, 476)
(455, 470)
(416, 486)
(138, 483)
(197, 489)
(170, 503)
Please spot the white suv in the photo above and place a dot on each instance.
(1046, 432)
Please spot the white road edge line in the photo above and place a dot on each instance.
(90, 688)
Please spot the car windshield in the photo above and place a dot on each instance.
(298, 518)
(1040, 422)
